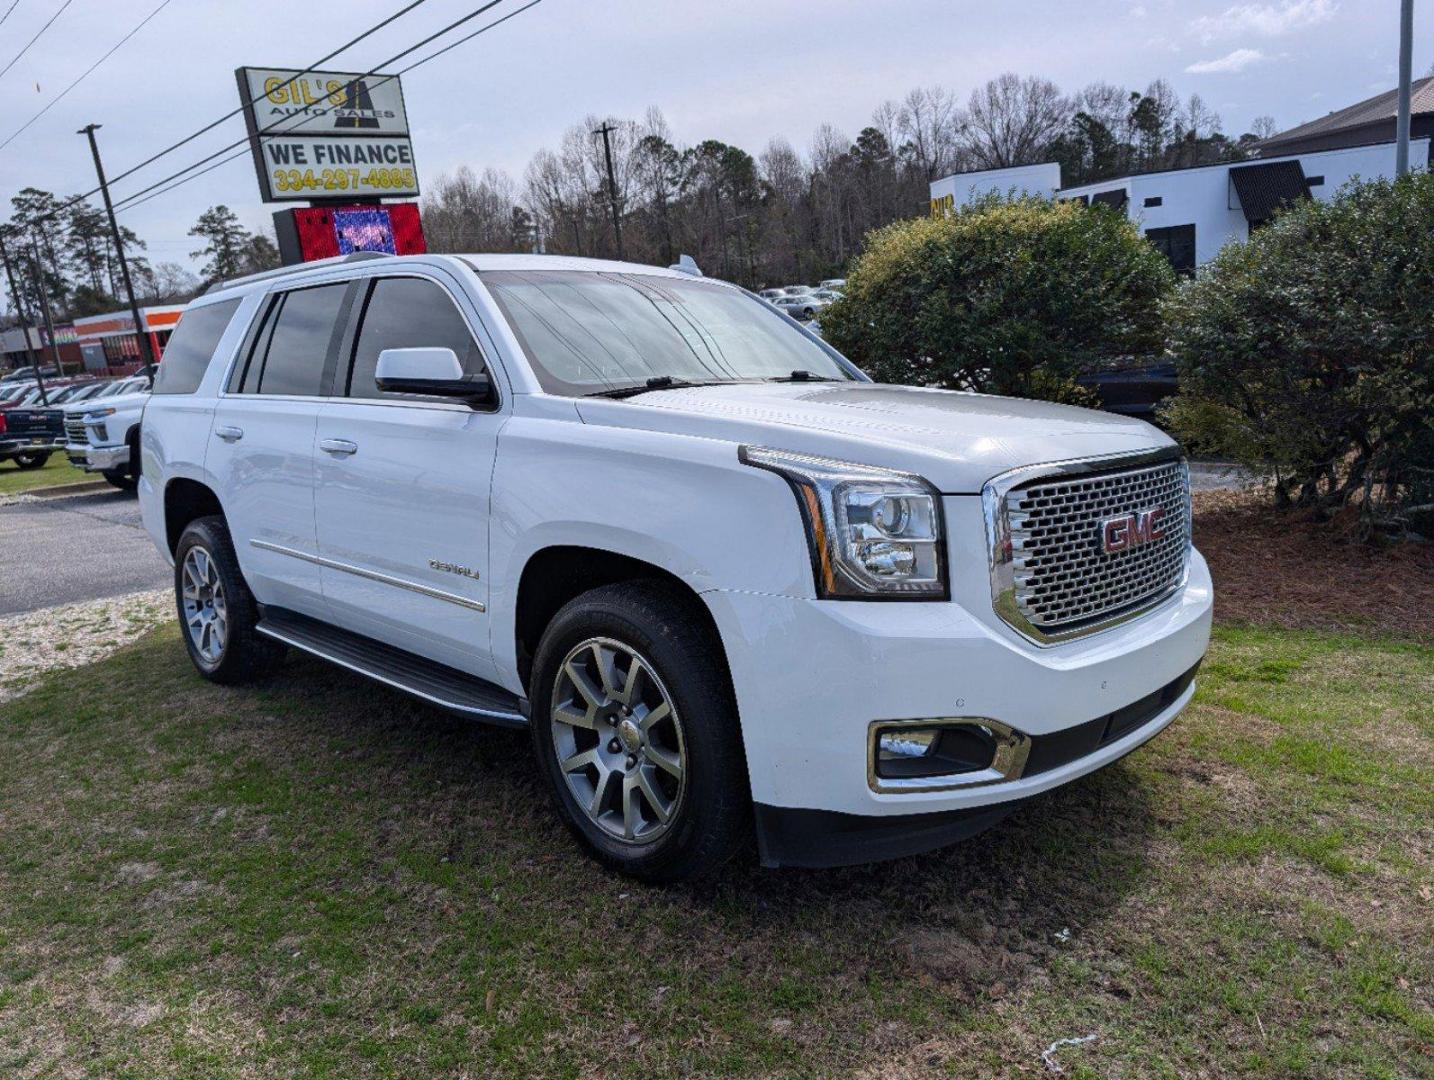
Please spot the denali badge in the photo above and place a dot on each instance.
(1132, 530)
(452, 568)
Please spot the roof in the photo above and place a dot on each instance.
(563, 262)
(1076, 191)
(1380, 108)
(478, 262)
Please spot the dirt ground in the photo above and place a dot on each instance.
(1285, 570)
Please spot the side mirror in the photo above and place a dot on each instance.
(433, 372)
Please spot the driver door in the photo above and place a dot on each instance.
(402, 493)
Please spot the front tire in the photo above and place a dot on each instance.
(31, 461)
(121, 479)
(126, 477)
(636, 731)
(217, 612)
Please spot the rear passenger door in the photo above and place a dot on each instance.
(402, 491)
(261, 447)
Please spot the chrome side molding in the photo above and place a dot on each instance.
(371, 575)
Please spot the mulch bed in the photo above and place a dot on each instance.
(1287, 570)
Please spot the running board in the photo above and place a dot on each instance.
(436, 683)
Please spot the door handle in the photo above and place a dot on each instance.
(229, 434)
(338, 446)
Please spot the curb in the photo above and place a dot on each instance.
(56, 491)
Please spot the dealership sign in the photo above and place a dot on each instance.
(327, 135)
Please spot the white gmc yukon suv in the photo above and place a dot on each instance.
(730, 585)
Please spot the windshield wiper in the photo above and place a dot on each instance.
(657, 382)
(801, 375)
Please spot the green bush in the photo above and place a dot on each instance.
(1305, 354)
(1004, 296)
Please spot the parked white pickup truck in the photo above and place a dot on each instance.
(102, 433)
(732, 587)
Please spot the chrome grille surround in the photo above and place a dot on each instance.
(1050, 579)
(75, 430)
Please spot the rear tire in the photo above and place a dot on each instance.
(217, 612)
(31, 461)
(647, 770)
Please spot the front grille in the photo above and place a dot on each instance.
(75, 429)
(1063, 578)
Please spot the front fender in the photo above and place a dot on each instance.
(683, 504)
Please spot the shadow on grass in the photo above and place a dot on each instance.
(987, 911)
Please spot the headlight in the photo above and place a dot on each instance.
(93, 415)
(874, 533)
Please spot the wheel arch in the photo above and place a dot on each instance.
(556, 574)
(187, 500)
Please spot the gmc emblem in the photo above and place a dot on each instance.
(1131, 530)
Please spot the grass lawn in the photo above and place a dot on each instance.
(57, 470)
(319, 878)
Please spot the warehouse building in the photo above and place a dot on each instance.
(1190, 214)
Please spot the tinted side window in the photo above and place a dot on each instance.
(191, 347)
(293, 362)
(408, 313)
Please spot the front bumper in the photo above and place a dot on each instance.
(812, 676)
(97, 458)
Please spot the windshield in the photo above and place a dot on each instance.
(587, 333)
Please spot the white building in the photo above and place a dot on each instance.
(1190, 214)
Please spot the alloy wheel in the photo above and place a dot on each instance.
(206, 613)
(619, 741)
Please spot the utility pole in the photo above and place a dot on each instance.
(19, 300)
(605, 131)
(146, 351)
(38, 277)
(1406, 64)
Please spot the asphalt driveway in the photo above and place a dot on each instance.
(77, 547)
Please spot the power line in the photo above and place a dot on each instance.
(130, 202)
(277, 126)
(178, 178)
(11, 8)
(252, 101)
(34, 39)
(88, 71)
(209, 127)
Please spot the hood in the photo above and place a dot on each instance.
(956, 441)
(119, 401)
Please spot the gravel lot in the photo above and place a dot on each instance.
(73, 635)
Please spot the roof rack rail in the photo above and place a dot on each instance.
(285, 271)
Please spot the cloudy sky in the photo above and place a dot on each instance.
(738, 70)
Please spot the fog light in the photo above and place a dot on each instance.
(906, 744)
(909, 752)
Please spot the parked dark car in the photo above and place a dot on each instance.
(1132, 389)
(29, 436)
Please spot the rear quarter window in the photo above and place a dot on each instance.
(192, 346)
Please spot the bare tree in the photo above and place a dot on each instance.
(928, 127)
(1014, 121)
(1262, 127)
(468, 212)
